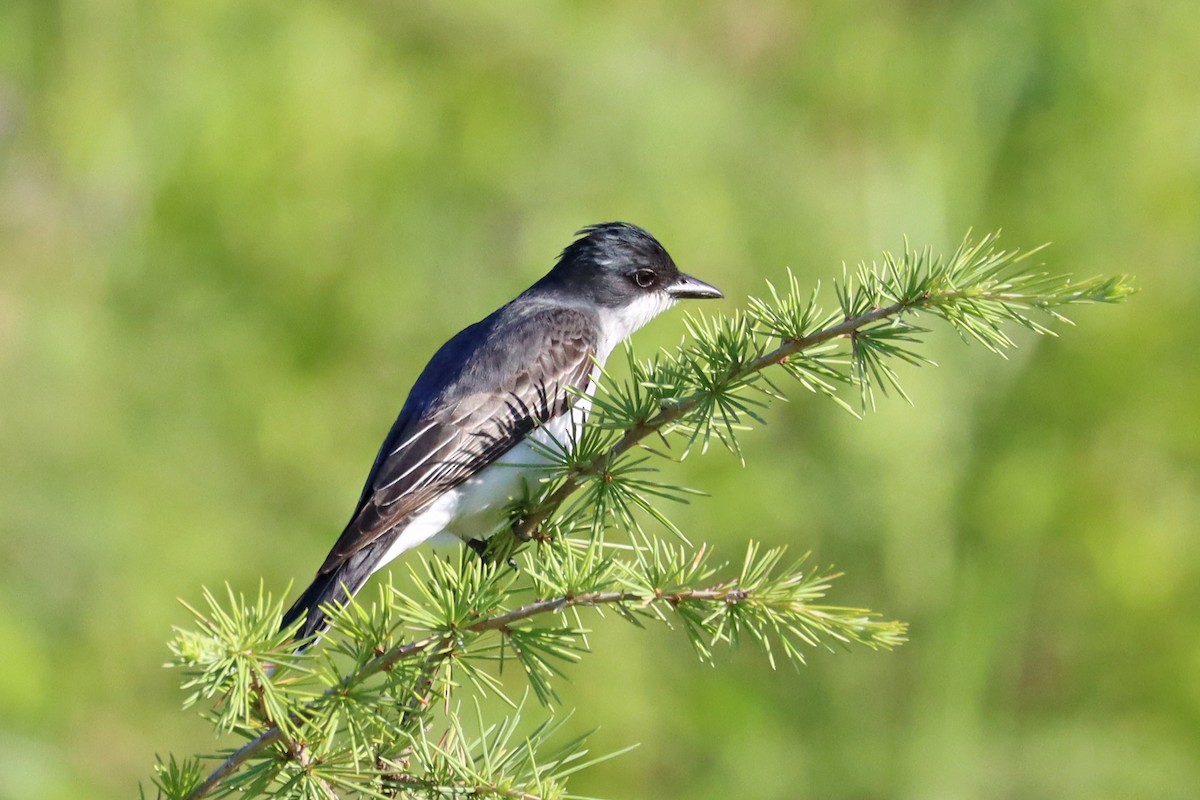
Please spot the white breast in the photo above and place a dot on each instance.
(475, 508)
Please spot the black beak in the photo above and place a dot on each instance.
(688, 288)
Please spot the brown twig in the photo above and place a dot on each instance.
(526, 528)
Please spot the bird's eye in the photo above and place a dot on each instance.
(644, 278)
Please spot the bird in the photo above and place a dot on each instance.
(467, 437)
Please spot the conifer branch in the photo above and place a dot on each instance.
(975, 290)
(764, 594)
(526, 527)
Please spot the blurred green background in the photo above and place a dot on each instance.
(232, 232)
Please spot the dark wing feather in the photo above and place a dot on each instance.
(447, 440)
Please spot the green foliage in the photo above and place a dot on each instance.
(377, 710)
(357, 716)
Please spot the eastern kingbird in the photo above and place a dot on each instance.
(460, 449)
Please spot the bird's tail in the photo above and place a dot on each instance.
(336, 586)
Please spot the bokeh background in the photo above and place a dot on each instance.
(232, 231)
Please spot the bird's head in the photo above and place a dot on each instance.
(621, 267)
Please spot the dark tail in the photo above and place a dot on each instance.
(336, 586)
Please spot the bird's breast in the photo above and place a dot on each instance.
(483, 497)
(475, 508)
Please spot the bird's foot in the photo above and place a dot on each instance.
(526, 533)
(480, 548)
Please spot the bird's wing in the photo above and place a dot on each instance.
(452, 441)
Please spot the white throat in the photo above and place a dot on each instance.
(621, 323)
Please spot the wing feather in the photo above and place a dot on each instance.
(463, 430)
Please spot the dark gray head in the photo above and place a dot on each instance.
(615, 264)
